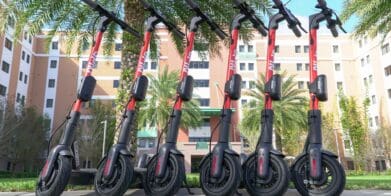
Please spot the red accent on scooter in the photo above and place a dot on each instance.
(313, 167)
(314, 102)
(231, 70)
(260, 165)
(214, 165)
(45, 169)
(107, 166)
(270, 64)
(158, 165)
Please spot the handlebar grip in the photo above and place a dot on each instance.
(296, 30)
(238, 2)
(91, 3)
(334, 31)
(322, 3)
(220, 33)
(278, 3)
(192, 4)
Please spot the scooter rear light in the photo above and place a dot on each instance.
(158, 165)
(214, 164)
(45, 169)
(107, 166)
(260, 166)
(313, 167)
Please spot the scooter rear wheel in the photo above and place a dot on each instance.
(120, 180)
(172, 180)
(229, 181)
(332, 182)
(275, 184)
(58, 179)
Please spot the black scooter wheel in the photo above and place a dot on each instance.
(331, 183)
(229, 181)
(58, 180)
(172, 180)
(120, 180)
(275, 184)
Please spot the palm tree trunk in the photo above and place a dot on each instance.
(278, 142)
(134, 16)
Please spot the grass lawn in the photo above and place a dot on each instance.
(382, 182)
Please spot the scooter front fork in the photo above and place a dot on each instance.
(265, 144)
(314, 148)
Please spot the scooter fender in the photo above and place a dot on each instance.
(111, 158)
(263, 159)
(162, 159)
(315, 157)
(217, 160)
(62, 150)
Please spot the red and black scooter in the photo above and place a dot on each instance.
(265, 172)
(115, 170)
(166, 170)
(316, 171)
(220, 171)
(58, 167)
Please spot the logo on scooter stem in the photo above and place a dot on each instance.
(232, 62)
(140, 66)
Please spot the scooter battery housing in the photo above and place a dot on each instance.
(233, 86)
(86, 89)
(273, 87)
(185, 88)
(319, 88)
(139, 88)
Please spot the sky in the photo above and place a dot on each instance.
(304, 9)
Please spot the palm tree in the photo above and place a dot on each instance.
(75, 18)
(374, 16)
(290, 116)
(157, 108)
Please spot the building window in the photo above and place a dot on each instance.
(115, 83)
(25, 78)
(22, 100)
(377, 121)
(362, 62)
(17, 97)
(387, 70)
(306, 48)
(307, 66)
(144, 142)
(365, 81)
(370, 79)
(337, 67)
(117, 65)
(385, 49)
(297, 49)
(368, 59)
(276, 48)
(277, 66)
(201, 83)
(49, 103)
(251, 84)
(28, 58)
(389, 93)
(145, 66)
(8, 44)
(371, 122)
(373, 99)
(11, 22)
(199, 65)
(360, 43)
(84, 64)
(204, 102)
(250, 66)
(55, 45)
(23, 55)
(51, 83)
(299, 66)
(339, 85)
(347, 144)
(300, 84)
(243, 101)
(118, 46)
(30, 39)
(3, 90)
(242, 66)
(244, 84)
(20, 76)
(335, 49)
(5, 67)
(153, 65)
(53, 64)
(250, 48)
(241, 48)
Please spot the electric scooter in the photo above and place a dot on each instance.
(115, 170)
(220, 170)
(265, 172)
(316, 171)
(58, 167)
(166, 170)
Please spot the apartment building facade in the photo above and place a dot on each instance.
(45, 78)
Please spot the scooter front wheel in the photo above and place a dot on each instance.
(58, 180)
(331, 183)
(229, 181)
(119, 182)
(172, 180)
(275, 184)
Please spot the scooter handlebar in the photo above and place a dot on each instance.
(296, 31)
(102, 11)
(250, 14)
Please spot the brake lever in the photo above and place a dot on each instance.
(339, 23)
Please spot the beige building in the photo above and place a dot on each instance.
(48, 78)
